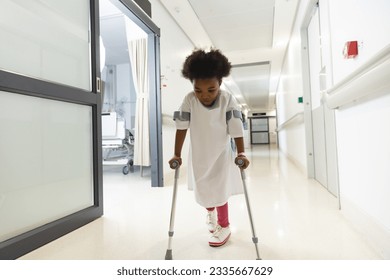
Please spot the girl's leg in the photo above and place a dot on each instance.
(222, 232)
(223, 215)
(211, 220)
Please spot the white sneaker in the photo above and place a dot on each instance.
(211, 220)
(220, 236)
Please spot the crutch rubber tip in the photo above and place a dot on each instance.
(168, 255)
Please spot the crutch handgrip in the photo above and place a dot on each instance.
(175, 164)
(240, 162)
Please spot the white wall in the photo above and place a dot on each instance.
(174, 47)
(368, 22)
(363, 133)
(292, 138)
(363, 128)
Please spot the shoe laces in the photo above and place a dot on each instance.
(217, 230)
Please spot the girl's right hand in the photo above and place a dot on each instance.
(173, 159)
(244, 161)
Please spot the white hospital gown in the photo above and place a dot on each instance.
(212, 173)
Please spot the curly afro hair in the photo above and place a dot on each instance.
(206, 65)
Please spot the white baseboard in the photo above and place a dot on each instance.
(375, 233)
(297, 164)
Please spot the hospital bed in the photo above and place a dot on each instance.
(117, 142)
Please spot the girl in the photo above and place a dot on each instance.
(214, 118)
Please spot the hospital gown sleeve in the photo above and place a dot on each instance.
(183, 116)
(235, 126)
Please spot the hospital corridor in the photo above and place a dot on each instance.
(99, 97)
(295, 219)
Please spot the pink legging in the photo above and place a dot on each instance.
(223, 214)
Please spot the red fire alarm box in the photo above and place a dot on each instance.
(350, 49)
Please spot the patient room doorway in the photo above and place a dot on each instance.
(131, 107)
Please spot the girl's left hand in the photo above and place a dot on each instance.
(244, 159)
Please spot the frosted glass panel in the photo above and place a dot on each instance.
(46, 161)
(260, 124)
(260, 138)
(46, 39)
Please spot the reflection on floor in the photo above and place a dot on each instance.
(295, 218)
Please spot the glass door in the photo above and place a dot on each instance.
(131, 112)
(259, 130)
(50, 107)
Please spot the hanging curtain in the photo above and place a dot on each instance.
(138, 51)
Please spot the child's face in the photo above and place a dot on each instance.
(206, 90)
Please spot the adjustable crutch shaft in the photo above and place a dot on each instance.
(175, 164)
(255, 240)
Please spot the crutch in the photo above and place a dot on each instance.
(240, 163)
(175, 165)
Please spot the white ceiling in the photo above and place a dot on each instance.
(113, 33)
(253, 34)
(116, 29)
(236, 25)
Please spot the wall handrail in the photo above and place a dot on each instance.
(297, 118)
(370, 78)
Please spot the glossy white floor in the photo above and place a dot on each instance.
(295, 218)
